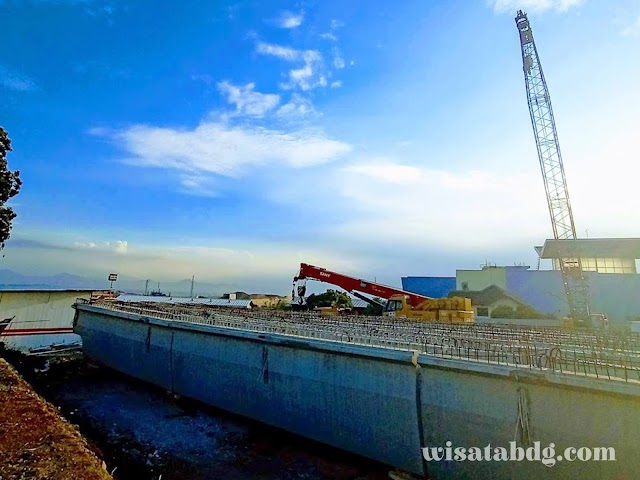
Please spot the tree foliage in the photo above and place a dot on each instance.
(282, 305)
(10, 184)
(330, 298)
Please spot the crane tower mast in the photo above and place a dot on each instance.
(555, 183)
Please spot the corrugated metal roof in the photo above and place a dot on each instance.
(214, 302)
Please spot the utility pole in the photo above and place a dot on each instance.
(191, 293)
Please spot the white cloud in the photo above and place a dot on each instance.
(290, 20)
(633, 29)
(410, 205)
(338, 61)
(197, 185)
(329, 36)
(336, 84)
(248, 101)
(335, 24)
(413, 207)
(285, 53)
(534, 6)
(85, 244)
(296, 107)
(13, 80)
(309, 76)
(218, 148)
(119, 246)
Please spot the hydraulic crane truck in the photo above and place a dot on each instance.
(399, 303)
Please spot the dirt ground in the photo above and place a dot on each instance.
(35, 441)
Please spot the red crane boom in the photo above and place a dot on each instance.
(352, 284)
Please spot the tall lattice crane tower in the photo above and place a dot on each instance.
(555, 183)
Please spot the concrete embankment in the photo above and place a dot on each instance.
(382, 403)
(35, 441)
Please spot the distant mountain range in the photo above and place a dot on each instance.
(180, 288)
(60, 280)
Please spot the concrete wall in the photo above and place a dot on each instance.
(481, 279)
(436, 287)
(41, 318)
(341, 398)
(374, 401)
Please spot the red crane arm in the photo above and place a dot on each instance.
(351, 284)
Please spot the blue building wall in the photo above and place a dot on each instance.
(617, 295)
(542, 289)
(436, 287)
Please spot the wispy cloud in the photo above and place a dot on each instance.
(119, 246)
(338, 61)
(534, 6)
(297, 107)
(198, 185)
(309, 76)
(247, 100)
(222, 149)
(285, 53)
(379, 190)
(331, 34)
(633, 29)
(290, 20)
(16, 81)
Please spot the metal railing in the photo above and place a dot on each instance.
(597, 354)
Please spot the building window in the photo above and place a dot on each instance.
(601, 265)
(482, 311)
(465, 286)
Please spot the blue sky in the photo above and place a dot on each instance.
(233, 140)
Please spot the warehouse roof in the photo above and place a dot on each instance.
(591, 248)
(214, 302)
(486, 297)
